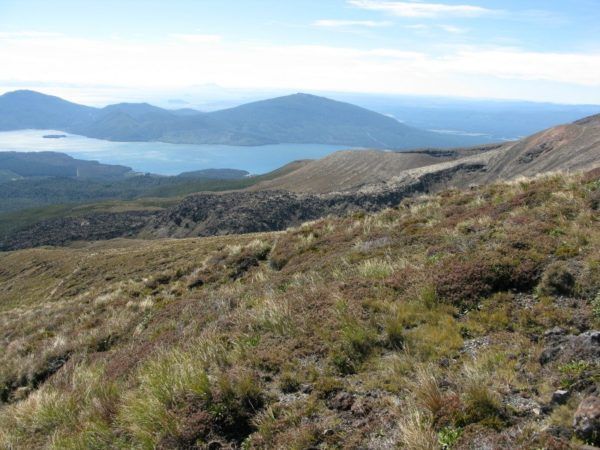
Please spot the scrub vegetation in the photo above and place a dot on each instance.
(429, 325)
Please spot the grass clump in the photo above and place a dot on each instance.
(557, 280)
(354, 344)
(177, 402)
(289, 382)
(377, 269)
(416, 431)
(190, 343)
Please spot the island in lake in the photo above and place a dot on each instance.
(54, 136)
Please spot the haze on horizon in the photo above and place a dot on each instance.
(100, 51)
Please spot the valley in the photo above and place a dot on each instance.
(337, 184)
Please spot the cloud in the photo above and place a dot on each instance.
(453, 29)
(173, 63)
(423, 10)
(198, 38)
(447, 28)
(26, 34)
(330, 23)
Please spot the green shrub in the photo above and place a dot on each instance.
(463, 282)
(557, 280)
(572, 371)
(448, 437)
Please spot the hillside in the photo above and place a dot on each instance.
(299, 118)
(37, 179)
(464, 319)
(339, 184)
(53, 164)
(346, 170)
(303, 118)
(29, 109)
(569, 147)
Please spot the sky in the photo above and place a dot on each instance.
(540, 50)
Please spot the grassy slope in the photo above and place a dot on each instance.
(395, 329)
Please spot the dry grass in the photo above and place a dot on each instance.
(403, 328)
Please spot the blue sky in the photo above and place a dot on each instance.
(529, 49)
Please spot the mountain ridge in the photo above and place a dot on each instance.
(347, 182)
(297, 118)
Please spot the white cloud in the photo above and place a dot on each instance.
(198, 38)
(330, 23)
(423, 10)
(453, 29)
(26, 34)
(173, 63)
(447, 28)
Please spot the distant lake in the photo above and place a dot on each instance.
(165, 159)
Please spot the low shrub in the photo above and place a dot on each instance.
(463, 282)
(448, 437)
(557, 279)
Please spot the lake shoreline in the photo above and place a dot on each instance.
(164, 158)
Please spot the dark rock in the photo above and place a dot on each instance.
(567, 348)
(444, 362)
(61, 231)
(560, 397)
(560, 432)
(586, 422)
(554, 332)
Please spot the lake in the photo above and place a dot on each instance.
(162, 158)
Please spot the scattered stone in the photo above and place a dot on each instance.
(523, 406)
(586, 422)
(305, 388)
(472, 346)
(560, 397)
(553, 332)
(328, 432)
(560, 432)
(567, 348)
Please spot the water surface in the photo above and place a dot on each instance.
(162, 158)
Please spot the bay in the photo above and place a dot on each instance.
(162, 158)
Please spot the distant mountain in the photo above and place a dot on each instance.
(29, 109)
(299, 118)
(494, 119)
(304, 118)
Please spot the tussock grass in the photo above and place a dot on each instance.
(414, 327)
